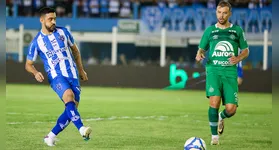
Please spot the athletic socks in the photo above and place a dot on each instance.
(213, 120)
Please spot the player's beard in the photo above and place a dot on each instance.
(222, 21)
(51, 28)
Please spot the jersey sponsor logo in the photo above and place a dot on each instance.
(223, 49)
(51, 53)
(214, 31)
(222, 63)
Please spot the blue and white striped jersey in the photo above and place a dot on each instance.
(54, 50)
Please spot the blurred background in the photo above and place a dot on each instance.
(140, 33)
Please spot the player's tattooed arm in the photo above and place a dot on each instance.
(29, 67)
(77, 57)
(200, 55)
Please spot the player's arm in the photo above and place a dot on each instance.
(243, 54)
(243, 46)
(203, 46)
(29, 67)
(200, 55)
(29, 64)
(77, 57)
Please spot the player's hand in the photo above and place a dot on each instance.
(234, 60)
(200, 56)
(39, 77)
(83, 75)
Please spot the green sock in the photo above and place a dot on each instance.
(224, 114)
(213, 120)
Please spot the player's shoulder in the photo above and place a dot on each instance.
(209, 29)
(65, 30)
(237, 28)
(35, 39)
(61, 28)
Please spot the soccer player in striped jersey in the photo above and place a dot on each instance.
(63, 65)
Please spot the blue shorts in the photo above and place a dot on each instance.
(60, 84)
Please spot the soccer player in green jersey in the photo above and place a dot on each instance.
(222, 40)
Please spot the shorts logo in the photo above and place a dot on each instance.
(235, 96)
(211, 89)
(59, 86)
(78, 88)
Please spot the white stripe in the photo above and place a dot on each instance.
(35, 54)
(70, 42)
(43, 48)
(73, 69)
(60, 56)
(213, 123)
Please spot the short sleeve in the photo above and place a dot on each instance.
(204, 43)
(242, 40)
(70, 39)
(32, 52)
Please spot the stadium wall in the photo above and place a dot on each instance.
(146, 77)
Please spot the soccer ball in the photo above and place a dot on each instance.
(195, 143)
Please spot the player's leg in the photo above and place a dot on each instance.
(75, 88)
(239, 80)
(59, 85)
(230, 91)
(214, 94)
(73, 114)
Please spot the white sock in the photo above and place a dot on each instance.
(51, 135)
(220, 118)
(81, 130)
(215, 136)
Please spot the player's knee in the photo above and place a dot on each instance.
(231, 110)
(215, 101)
(68, 96)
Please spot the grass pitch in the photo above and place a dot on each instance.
(133, 119)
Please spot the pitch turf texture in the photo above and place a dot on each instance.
(133, 119)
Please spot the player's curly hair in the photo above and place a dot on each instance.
(225, 4)
(45, 10)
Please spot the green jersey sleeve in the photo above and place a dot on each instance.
(204, 42)
(242, 40)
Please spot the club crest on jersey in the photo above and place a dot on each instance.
(232, 36)
(59, 86)
(61, 37)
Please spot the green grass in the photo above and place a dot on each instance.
(133, 119)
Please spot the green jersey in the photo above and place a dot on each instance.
(222, 44)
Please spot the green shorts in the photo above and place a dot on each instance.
(224, 86)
